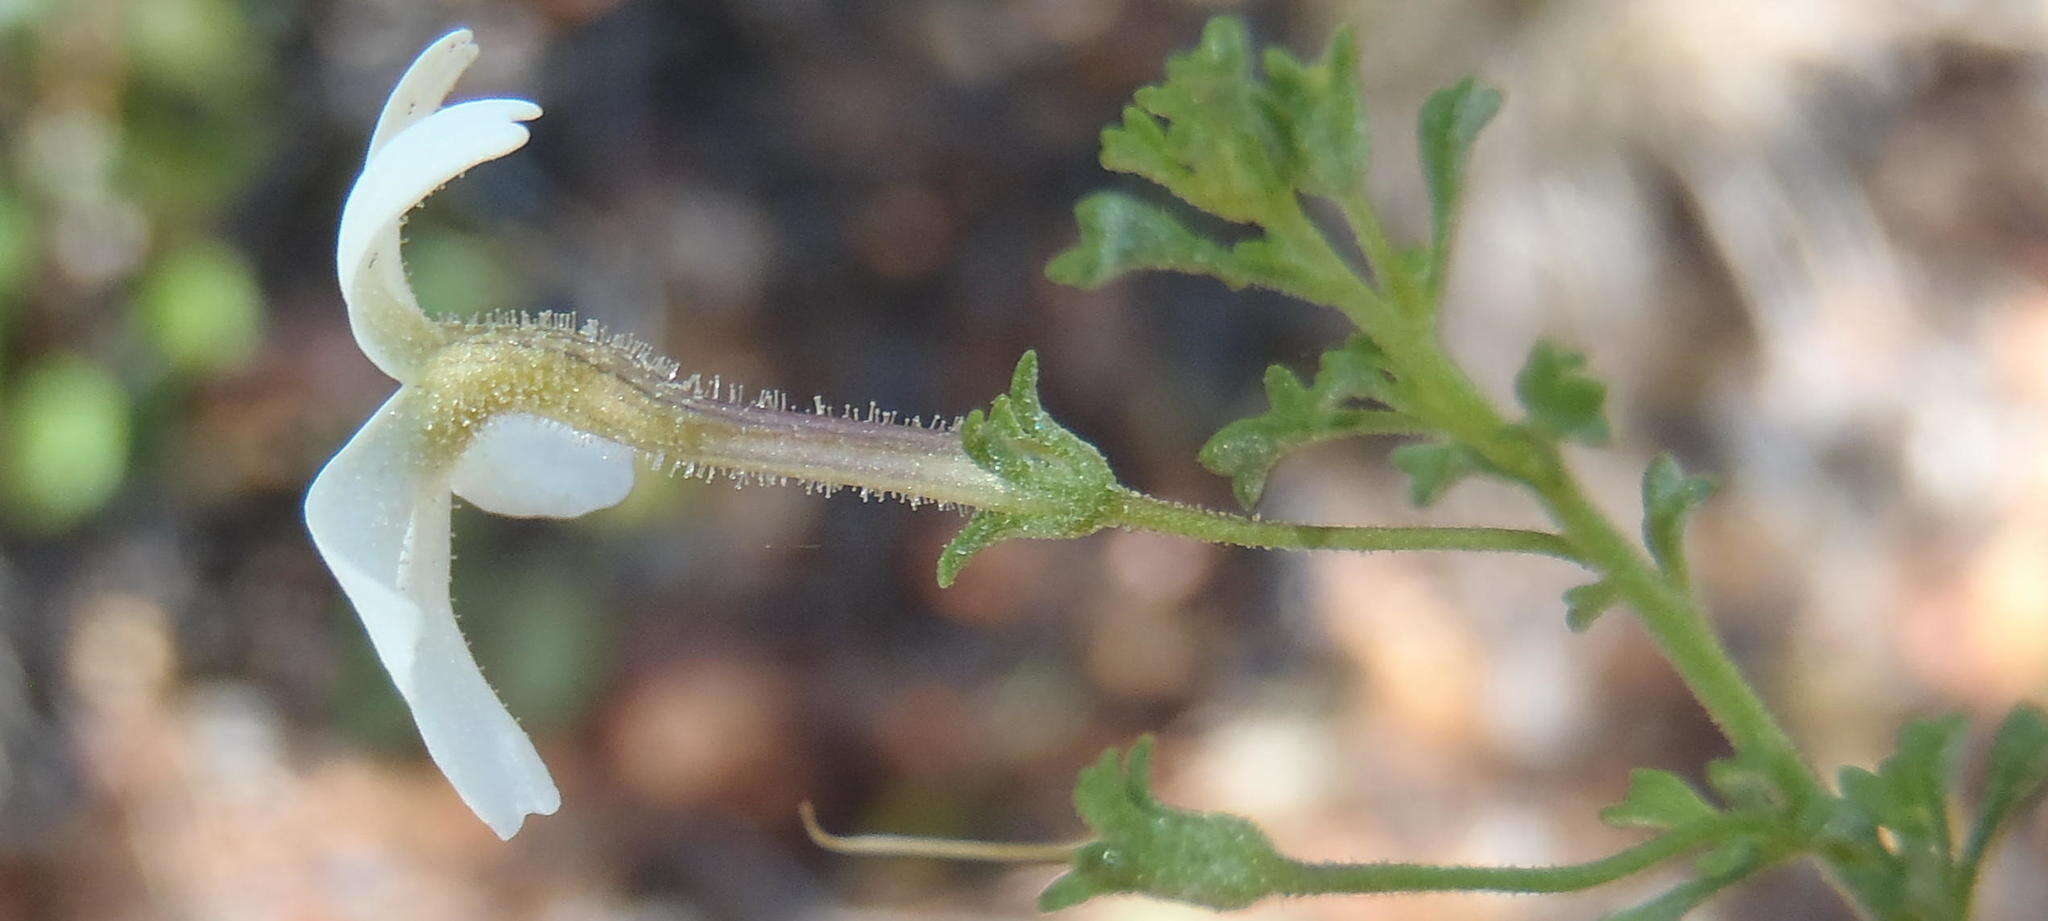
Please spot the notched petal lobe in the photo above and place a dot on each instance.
(379, 516)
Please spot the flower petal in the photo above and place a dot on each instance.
(405, 167)
(425, 85)
(379, 516)
(526, 466)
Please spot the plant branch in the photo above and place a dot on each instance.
(932, 848)
(1680, 630)
(1140, 512)
(1379, 252)
(1331, 878)
(1671, 616)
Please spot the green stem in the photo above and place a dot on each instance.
(1140, 512)
(1671, 616)
(1443, 396)
(1681, 632)
(1335, 277)
(1331, 878)
(1379, 251)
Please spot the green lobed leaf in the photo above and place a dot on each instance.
(1298, 416)
(2019, 754)
(1846, 835)
(1434, 467)
(1867, 792)
(1888, 872)
(1122, 233)
(1242, 148)
(2016, 774)
(1908, 796)
(1562, 400)
(1919, 776)
(1669, 496)
(1142, 846)
(1236, 146)
(1450, 122)
(1321, 117)
(1744, 782)
(1269, 263)
(1063, 482)
(1657, 799)
(1584, 604)
(1206, 133)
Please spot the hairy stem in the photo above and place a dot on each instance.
(614, 390)
(1681, 632)
(1140, 512)
(1444, 397)
(1671, 616)
(1330, 878)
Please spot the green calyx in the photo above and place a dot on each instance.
(1142, 846)
(1059, 485)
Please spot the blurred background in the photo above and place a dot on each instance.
(1805, 240)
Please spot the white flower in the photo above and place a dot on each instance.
(379, 511)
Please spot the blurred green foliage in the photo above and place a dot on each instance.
(198, 46)
(546, 642)
(200, 307)
(17, 245)
(17, 262)
(197, 120)
(458, 275)
(63, 442)
(131, 132)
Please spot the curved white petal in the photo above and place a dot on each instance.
(526, 466)
(416, 161)
(425, 85)
(379, 516)
(420, 154)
